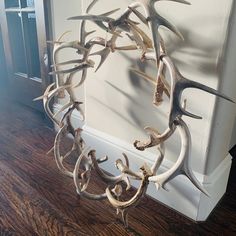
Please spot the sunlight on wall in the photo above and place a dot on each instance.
(120, 103)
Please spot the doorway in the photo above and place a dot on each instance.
(25, 31)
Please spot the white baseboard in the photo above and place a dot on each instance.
(182, 196)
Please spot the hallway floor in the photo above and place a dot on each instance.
(35, 199)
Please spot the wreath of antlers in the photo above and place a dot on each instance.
(152, 49)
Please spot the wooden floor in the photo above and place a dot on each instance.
(35, 199)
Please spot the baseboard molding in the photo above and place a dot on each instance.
(181, 196)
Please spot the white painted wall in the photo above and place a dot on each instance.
(119, 105)
(124, 102)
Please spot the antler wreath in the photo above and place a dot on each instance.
(152, 49)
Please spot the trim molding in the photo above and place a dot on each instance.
(181, 196)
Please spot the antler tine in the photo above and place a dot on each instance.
(58, 158)
(79, 109)
(60, 46)
(144, 75)
(138, 40)
(103, 54)
(77, 145)
(69, 112)
(81, 186)
(179, 83)
(110, 12)
(91, 5)
(83, 33)
(46, 92)
(146, 39)
(73, 44)
(109, 47)
(47, 96)
(124, 207)
(70, 90)
(156, 21)
(56, 49)
(76, 68)
(126, 170)
(83, 77)
(159, 90)
(155, 138)
(159, 159)
(98, 20)
(182, 164)
(113, 23)
(162, 86)
(105, 177)
(76, 61)
(139, 15)
(68, 81)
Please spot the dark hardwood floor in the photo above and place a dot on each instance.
(35, 199)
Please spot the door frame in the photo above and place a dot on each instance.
(44, 27)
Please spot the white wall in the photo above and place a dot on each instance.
(119, 104)
(124, 102)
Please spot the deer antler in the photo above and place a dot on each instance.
(124, 207)
(151, 49)
(178, 84)
(156, 21)
(105, 177)
(143, 175)
(182, 164)
(78, 143)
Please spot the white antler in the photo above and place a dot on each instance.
(182, 165)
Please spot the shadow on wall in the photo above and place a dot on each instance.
(195, 56)
(201, 56)
(201, 52)
(114, 111)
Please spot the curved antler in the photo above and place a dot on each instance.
(124, 207)
(182, 165)
(105, 177)
(178, 84)
(144, 174)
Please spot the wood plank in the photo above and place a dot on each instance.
(10, 223)
(40, 172)
(35, 210)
